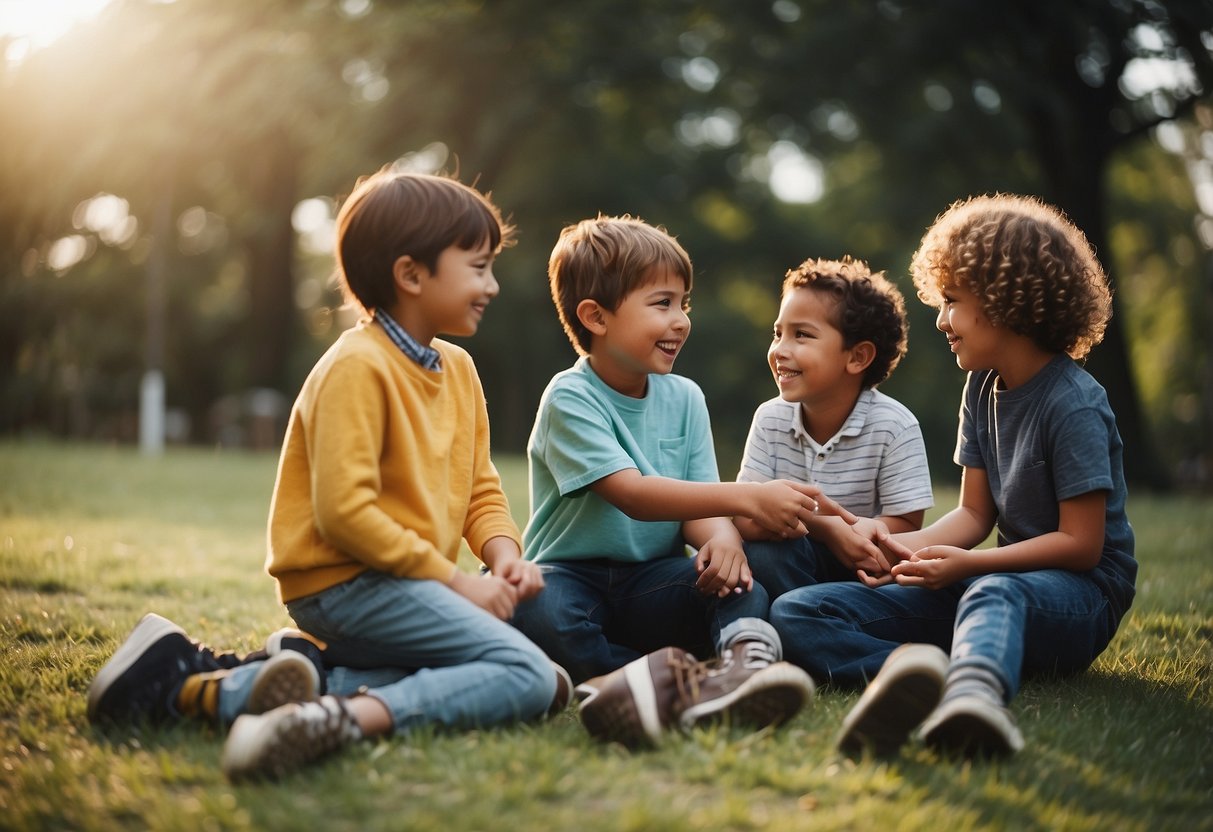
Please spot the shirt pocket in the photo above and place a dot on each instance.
(673, 460)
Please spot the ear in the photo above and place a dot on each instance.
(407, 274)
(592, 317)
(862, 354)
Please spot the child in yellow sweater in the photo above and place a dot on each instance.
(384, 470)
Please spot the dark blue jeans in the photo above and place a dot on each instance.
(594, 616)
(1048, 621)
(784, 565)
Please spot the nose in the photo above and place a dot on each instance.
(941, 319)
(682, 321)
(493, 287)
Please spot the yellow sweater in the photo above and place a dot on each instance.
(385, 466)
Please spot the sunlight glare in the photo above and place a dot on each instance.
(32, 24)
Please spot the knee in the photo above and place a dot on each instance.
(533, 678)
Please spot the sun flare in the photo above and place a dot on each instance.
(31, 24)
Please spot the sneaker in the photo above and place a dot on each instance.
(284, 677)
(297, 641)
(901, 696)
(634, 704)
(744, 686)
(637, 703)
(140, 680)
(973, 726)
(273, 743)
(564, 691)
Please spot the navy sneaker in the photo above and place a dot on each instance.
(141, 679)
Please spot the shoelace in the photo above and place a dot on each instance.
(688, 672)
(757, 655)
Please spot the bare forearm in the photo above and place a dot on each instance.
(699, 532)
(960, 527)
(655, 498)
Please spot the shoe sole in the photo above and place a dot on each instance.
(893, 706)
(973, 731)
(564, 691)
(771, 696)
(150, 629)
(286, 677)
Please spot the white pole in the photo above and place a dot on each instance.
(151, 413)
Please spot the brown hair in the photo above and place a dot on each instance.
(390, 215)
(1032, 270)
(604, 260)
(867, 307)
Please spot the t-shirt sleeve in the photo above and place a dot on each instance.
(579, 446)
(904, 480)
(1079, 455)
(756, 465)
(968, 447)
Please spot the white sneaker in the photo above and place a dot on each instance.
(273, 743)
(901, 696)
(972, 726)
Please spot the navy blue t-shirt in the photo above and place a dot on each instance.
(1048, 440)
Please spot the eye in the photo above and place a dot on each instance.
(663, 302)
(800, 333)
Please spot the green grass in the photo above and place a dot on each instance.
(92, 537)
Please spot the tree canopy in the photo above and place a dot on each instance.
(220, 135)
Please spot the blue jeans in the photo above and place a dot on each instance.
(784, 565)
(594, 616)
(1048, 621)
(424, 651)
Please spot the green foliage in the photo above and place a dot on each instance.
(228, 113)
(93, 537)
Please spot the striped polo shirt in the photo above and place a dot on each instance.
(875, 465)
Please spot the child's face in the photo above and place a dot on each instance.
(807, 355)
(454, 297)
(975, 341)
(644, 335)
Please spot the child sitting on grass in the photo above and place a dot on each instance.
(841, 331)
(384, 470)
(622, 478)
(1021, 299)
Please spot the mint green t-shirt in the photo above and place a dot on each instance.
(585, 431)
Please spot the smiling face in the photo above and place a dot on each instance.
(644, 335)
(974, 341)
(807, 355)
(452, 299)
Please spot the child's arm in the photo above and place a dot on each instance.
(942, 553)
(779, 506)
(721, 560)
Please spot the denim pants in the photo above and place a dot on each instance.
(1047, 621)
(594, 616)
(783, 565)
(424, 651)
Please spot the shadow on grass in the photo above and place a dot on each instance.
(1116, 751)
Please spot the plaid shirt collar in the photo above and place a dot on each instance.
(427, 357)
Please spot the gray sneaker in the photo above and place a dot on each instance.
(273, 743)
(972, 726)
(901, 696)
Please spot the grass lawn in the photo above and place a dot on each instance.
(93, 537)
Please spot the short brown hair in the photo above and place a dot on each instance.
(867, 307)
(1031, 268)
(605, 259)
(391, 214)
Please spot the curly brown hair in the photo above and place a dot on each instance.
(867, 307)
(1031, 268)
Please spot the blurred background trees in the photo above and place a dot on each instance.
(217, 137)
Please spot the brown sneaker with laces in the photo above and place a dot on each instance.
(639, 702)
(745, 687)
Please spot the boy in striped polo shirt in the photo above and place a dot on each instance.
(840, 332)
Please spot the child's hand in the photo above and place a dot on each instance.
(856, 546)
(489, 592)
(781, 506)
(722, 568)
(935, 567)
(523, 575)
